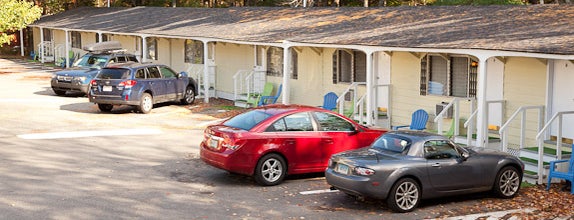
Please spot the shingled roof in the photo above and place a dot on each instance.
(547, 29)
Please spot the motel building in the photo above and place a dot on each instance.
(488, 76)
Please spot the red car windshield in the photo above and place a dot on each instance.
(247, 120)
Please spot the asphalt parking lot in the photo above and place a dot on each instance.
(63, 159)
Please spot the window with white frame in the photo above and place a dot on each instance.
(448, 75)
(76, 39)
(193, 52)
(275, 62)
(151, 48)
(349, 66)
(105, 37)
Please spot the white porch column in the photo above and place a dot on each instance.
(67, 48)
(205, 72)
(286, 71)
(482, 107)
(144, 48)
(40, 49)
(370, 89)
(21, 42)
(100, 38)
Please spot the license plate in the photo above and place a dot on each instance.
(342, 168)
(107, 88)
(213, 143)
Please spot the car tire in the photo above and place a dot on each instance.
(105, 107)
(146, 103)
(271, 170)
(59, 92)
(405, 195)
(188, 96)
(507, 183)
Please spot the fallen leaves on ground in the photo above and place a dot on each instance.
(216, 107)
(556, 203)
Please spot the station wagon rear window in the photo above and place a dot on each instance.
(114, 74)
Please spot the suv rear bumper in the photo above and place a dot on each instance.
(113, 100)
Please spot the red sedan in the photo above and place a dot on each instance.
(273, 141)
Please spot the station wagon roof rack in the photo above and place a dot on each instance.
(107, 46)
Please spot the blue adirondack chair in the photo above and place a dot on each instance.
(568, 175)
(330, 101)
(418, 121)
(264, 100)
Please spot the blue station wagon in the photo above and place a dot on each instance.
(140, 85)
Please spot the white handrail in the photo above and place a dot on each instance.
(558, 141)
(238, 83)
(361, 106)
(341, 98)
(505, 126)
(454, 102)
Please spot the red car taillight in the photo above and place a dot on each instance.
(128, 84)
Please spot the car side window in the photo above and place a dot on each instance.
(440, 149)
(154, 72)
(167, 72)
(331, 122)
(279, 125)
(140, 74)
(295, 122)
(133, 59)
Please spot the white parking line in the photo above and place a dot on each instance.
(490, 215)
(318, 191)
(77, 134)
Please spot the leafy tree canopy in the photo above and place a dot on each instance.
(15, 15)
(480, 2)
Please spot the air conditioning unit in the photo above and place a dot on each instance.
(440, 107)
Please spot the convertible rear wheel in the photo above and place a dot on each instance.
(404, 196)
(271, 170)
(146, 103)
(507, 182)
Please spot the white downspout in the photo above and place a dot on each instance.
(21, 42)
(370, 85)
(481, 118)
(40, 48)
(206, 71)
(67, 48)
(286, 71)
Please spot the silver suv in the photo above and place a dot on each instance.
(77, 78)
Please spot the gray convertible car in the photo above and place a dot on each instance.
(403, 167)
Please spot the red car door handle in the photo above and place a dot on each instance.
(289, 141)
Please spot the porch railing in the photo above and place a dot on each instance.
(341, 100)
(242, 83)
(520, 111)
(540, 139)
(469, 123)
(196, 71)
(455, 102)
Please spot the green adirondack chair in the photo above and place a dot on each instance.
(253, 99)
